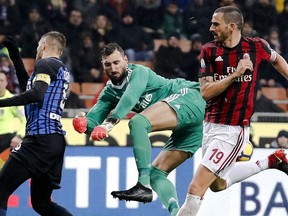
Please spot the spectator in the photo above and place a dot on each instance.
(169, 65)
(172, 20)
(149, 15)
(57, 11)
(86, 60)
(7, 67)
(274, 40)
(103, 30)
(90, 8)
(264, 104)
(137, 44)
(31, 32)
(198, 25)
(8, 135)
(191, 60)
(282, 19)
(248, 29)
(181, 4)
(114, 10)
(263, 14)
(9, 18)
(281, 140)
(72, 29)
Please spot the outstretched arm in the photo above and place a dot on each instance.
(12, 46)
(35, 94)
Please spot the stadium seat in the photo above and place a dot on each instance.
(278, 95)
(75, 87)
(89, 91)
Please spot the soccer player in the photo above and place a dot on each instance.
(228, 76)
(161, 104)
(40, 155)
(8, 136)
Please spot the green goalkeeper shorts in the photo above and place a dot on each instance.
(190, 109)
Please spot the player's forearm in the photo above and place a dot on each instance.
(211, 89)
(281, 66)
(36, 94)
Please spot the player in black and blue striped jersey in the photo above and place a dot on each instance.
(40, 155)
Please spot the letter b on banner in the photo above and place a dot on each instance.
(249, 193)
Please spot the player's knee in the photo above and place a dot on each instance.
(40, 206)
(218, 185)
(139, 122)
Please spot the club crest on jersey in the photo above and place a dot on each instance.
(202, 63)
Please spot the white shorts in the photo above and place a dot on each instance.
(221, 145)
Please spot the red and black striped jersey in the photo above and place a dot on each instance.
(235, 105)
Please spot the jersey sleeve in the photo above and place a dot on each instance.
(267, 52)
(205, 63)
(137, 85)
(99, 112)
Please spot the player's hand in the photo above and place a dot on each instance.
(101, 132)
(11, 44)
(244, 65)
(15, 141)
(80, 122)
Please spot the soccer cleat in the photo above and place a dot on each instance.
(278, 160)
(137, 193)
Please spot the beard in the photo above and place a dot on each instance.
(117, 79)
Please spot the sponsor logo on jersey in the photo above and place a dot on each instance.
(230, 70)
(218, 59)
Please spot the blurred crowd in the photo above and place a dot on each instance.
(135, 25)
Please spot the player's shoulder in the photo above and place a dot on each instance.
(255, 40)
(210, 44)
(137, 67)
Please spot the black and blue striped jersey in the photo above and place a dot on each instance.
(44, 117)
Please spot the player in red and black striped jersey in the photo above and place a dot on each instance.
(228, 73)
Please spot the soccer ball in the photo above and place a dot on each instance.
(247, 152)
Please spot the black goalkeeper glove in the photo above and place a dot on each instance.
(13, 48)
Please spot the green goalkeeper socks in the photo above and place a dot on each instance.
(165, 190)
(139, 129)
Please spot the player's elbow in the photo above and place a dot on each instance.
(205, 96)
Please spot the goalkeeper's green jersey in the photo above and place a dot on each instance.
(141, 88)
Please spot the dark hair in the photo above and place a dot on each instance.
(282, 133)
(58, 37)
(109, 48)
(231, 14)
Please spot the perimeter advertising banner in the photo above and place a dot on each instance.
(91, 173)
(262, 134)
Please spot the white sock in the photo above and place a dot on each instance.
(243, 170)
(191, 205)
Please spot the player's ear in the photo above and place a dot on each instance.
(232, 27)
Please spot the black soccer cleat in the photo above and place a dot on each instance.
(137, 193)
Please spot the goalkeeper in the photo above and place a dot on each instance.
(161, 104)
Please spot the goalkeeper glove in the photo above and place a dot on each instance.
(80, 122)
(101, 132)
